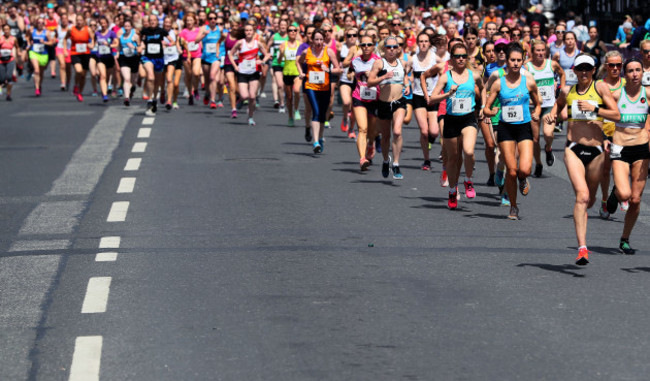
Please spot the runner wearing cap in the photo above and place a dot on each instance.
(629, 150)
(588, 103)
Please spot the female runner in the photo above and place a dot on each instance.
(287, 60)
(644, 46)
(65, 68)
(211, 37)
(588, 103)
(105, 40)
(349, 50)
(173, 64)
(129, 60)
(191, 55)
(515, 90)
(236, 33)
(8, 46)
(567, 56)
(80, 42)
(39, 40)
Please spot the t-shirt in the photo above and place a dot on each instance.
(152, 38)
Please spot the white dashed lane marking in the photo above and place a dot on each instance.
(96, 295)
(118, 211)
(112, 242)
(126, 185)
(133, 164)
(109, 256)
(139, 147)
(148, 121)
(86, 358)
(144, 133)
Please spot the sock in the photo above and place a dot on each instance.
(432, 139)
(452, 190)
(580, 248)
(468, 179)
(395, 164)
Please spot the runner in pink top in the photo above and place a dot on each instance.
(192, 64)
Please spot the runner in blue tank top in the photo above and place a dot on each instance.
(211, 37)
(460, 86)
(515, 90)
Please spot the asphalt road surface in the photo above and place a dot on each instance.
(191, 246)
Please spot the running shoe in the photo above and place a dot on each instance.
(251, 122)
(370, 152)
(94, 94)
(154, 105)
(452, 202)
(385, 169)
(120, 92)
(444, 181)
(505, 201)
(9, 98)
(276, 104)
(75, 90)
(150, 111)
(104, 98)
(282, 110)
(344, 126)
(364, 164)
(175, 105)
(145, 97)
(127, 102)
(538, 170)
(351, 134)
(499, 178)
(37, 92)
(604, 214)
(317, 148)
(490, 181)
(80, 97)
(296, 115)
(206, 99)
(624, 247)
(397, 174)
(213, 105)
(625, 206)
(426, 166)
(550, 158)
(263, 95)
(469, 189)
(168, 106)
(514, 213)
(378, 144)
(524, 187)
(62, 87)
(233, 113)
(583, 257)
(308, 136)
(220, 104)
(290, 122)
(132, 92)
(612, 201)
(557, 128)
(327, 124)
(322, 144)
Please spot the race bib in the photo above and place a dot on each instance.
(192, 46)
(578, 114)
(461, 105)
(511, 114)
(81, 48)
(211, 48)
(104, 50)
(615, 151)
(153, 48)
(5, 53)
(290, 55)
(129, 52)
(645, 80)
(368, 94)
(247, 66)
(547, 93)
(39, 48)
(14, 32)
(317, 77)
(571, 77)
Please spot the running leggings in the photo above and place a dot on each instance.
(319, 102)
(6, 71)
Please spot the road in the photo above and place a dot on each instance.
(191, 246)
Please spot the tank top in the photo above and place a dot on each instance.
(491, 68)
(361, 91)
(38, 41)
(398, 73)
(210, 45)
(645, 80)
(80, 39)
(591, 95)
(6, 49)
(60, 35)
(343, 54)
(248, 57)
(125, 49)
(289, 59)
(545, 80)
(51, 24)
(633, 114)
(609, 126)
(15, 29)
(552, 48)
(463, 101)
(278, 40)
(595, 51)
(514, 102)
(317, 79)
(566, 62)
(194, 48)
(229, 43)
(170, 52)
(418, 69)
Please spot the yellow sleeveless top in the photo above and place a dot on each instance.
(590, 95)
(608, 126)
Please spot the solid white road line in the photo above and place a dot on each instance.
(126, 185)
(139, 147)
(133, 164)
(148, 121)
(144, 133)
(118, 211)
(109, 256)
(112, 242)
(86, 359)
(96, 295)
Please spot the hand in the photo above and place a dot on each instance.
(585, 106)
(607, 145)
(481, 116)
(302, 76)
(535, 117)
(453, 89)
(388, 75)
(550, 118)
(407, 90)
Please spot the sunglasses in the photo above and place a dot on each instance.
(646, 51)
(351, 35)
(219, 23)
(392, 46)
(327, 31)
(516, 34)
(460, 56)
(398, 24)
(401, 44)
(505, 31)
(526, 31)
(408, 28)
(583, 68)
(293, 30)
(500, 49)
(212, 18)
(367, 45)
(614, 65)
(560, 31)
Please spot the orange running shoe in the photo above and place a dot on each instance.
(583, 257)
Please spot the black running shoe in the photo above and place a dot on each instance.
(612, 201)
(550, 158)
(624, 247)
(538, 170)
(308, 136)
(154, 106)
(385, 169)
(490, 181)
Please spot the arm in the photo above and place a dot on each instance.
(558, 69)
(235, 48)
(432, 72)
(281, 55)
(556, 57)
(200, 36)
(301, 61)
(373, 80)
(488, 110)
(551, 117)
(534, 96)
(266, 55)
(437, 94)
(480, 94)
(348, 59)
(336, 68)
(610, 111)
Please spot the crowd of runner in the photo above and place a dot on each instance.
(508, 75)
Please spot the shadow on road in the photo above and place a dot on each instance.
(485, 215)
(562, 269)
(602, 250)
(635, 270)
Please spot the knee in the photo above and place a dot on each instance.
(635, 200)
(624, 195)
(583, 198)
(511, 172)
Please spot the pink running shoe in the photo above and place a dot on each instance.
(469, 189)
(233, 114)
